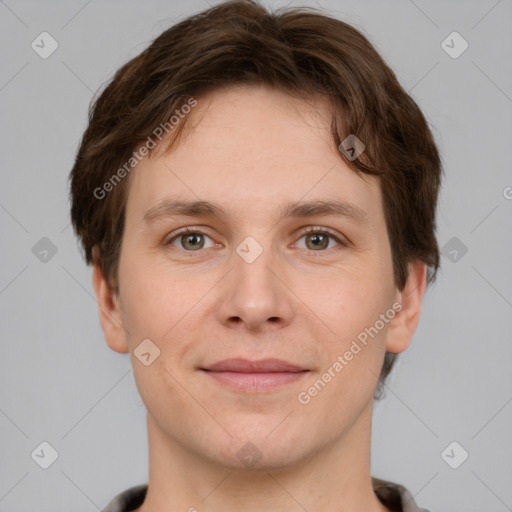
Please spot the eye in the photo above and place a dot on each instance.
(189, 240)
(317, 239)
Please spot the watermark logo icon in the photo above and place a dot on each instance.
(249, 455)
(44, 455)
(44, 45)
(249, 249)
(146, 352)
(44, 250)
(454, 250)
(454, 45)
(454, 455)
(352, 147)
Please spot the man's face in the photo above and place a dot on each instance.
(210, 296)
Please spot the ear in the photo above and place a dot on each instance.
(109, 310)
(401, 328)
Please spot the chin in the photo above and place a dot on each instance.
(260, 449)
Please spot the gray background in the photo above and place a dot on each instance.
(60, 383)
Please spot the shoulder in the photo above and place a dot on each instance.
(127, 500)
(395, 496)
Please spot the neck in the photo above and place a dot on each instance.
(337, 478)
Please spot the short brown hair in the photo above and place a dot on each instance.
(300, 51)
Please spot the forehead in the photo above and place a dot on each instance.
(246, 147)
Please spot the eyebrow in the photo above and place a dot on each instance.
(297, 209)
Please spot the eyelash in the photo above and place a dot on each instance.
(309, 231)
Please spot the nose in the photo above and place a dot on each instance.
(254, 295)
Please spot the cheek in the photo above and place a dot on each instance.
(164, 394)
(153, 309)
(352, 355)
(153, 302)
(351, 303)
(166, 309)
(352, 307)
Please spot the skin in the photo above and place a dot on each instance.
(250, 150)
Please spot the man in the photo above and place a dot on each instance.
(257, 196)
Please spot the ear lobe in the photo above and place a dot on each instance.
(402, 327)
(109, 311)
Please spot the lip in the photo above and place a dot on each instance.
(241, 365)
(254, 376)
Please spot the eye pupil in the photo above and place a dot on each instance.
(194, 236)
(318, 237)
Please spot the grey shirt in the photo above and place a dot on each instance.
(396, 497)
